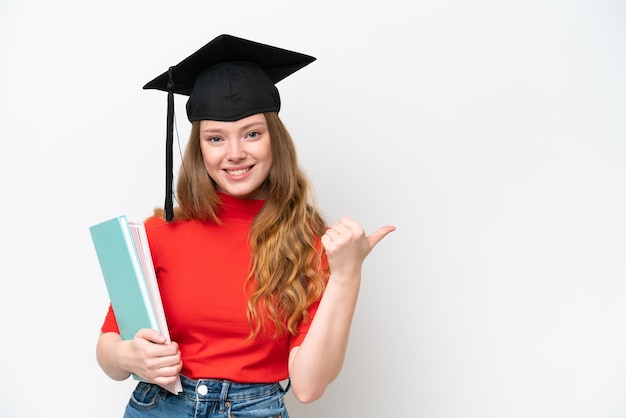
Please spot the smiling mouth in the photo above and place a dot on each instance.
(238, 172)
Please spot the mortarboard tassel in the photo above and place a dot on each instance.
(169, 143)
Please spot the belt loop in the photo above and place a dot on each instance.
(286, 388)
(224, 395)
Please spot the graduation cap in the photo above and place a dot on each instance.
(228, 79)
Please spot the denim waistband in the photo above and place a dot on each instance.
(225, 390)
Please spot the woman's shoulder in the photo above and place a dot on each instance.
(157, 218)
(155, 221)
(157, 224)
(163, 234)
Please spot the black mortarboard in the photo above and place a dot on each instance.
(228, 79)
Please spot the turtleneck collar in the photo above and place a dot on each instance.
(233, 208)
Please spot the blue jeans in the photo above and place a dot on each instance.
(208, 398)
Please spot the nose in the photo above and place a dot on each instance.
(236, 150)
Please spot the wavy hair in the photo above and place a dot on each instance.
(286, 270)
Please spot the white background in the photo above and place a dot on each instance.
(491, 133)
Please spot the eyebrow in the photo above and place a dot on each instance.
(243, 128)
(252, 125)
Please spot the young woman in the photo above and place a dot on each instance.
(256, 287)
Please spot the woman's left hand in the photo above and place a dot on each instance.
(346, 245)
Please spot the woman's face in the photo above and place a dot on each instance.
(237, 155)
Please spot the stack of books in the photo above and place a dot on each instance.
(126, 263)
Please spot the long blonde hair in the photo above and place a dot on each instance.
(286, 266)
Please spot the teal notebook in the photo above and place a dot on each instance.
(124, 257)
(123, 276)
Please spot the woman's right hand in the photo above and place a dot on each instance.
(147, 355)
(153, 359)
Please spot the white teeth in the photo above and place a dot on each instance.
(237, 172)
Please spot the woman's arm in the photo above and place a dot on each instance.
(318, 361)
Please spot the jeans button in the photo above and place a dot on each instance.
(202, 390)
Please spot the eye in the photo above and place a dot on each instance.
(213, 139)
(257, 135)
